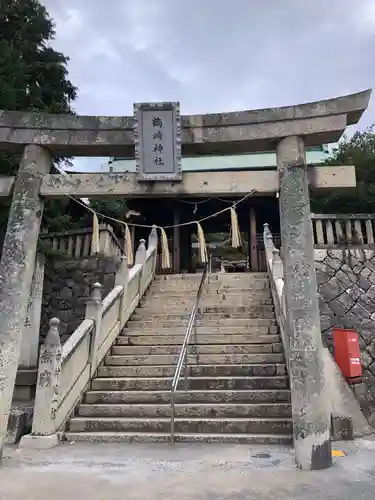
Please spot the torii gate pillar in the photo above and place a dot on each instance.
(311, 417)
(17, 268)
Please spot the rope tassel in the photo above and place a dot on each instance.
(202, 244)
(165, 256)
(236, 234)
(129, 245)
(95, 239)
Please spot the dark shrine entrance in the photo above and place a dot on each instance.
(182, 241)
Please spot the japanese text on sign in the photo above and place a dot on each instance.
(157, 136)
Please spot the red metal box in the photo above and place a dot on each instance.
(347, 352)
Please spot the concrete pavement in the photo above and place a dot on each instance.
(183, 472)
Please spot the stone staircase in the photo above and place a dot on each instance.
(236, 387)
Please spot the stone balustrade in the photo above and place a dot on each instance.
(77, 243)
(65, 370)
(340, 230)
(276, 273)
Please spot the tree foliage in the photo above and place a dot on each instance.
(358, 150)
(33, 77)
(114, 207)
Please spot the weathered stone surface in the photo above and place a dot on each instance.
(366, 329)
(347, 279)
(311, 416)
(371, 348)
(333, 263)
(322, 277)
(30, 337)
(323, 307)
(337, 308)
(366, 359)
(349, 269)
(371, 294)
(17, 269)
(346, 300)
(17, 423)
(323, 272)
(326, 322)
(364, 283)
(350, 320)
(224, 183)
(332, 289)
(355, 291)
(67, 286)
(342, 428)
(258, 130)
(372, 368)
(353, 308)
(361, 311)
(366, 272)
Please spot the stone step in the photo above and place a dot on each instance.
(176, 337)
(193, 383)
(184, 425)
(141, 350)
(236, 301)
(184, 397)
(211, 313)
(221, 277)
(221, 294)
(260, 288)
(257, 310)
(212, 284)
(204, 359)
(192, 410)
(246, 370)
(149, 437)
(203, 321)
(218, 322)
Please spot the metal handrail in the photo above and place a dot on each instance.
(182, 359)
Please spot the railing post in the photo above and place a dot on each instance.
(266, 229)
(94, 310)
(153, 243)
(277, 265)
(122, 278)
(140, 258)
(47, 397)
(268, 242)
(153, 238)
(105, 239)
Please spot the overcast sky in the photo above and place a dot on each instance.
(214, 55)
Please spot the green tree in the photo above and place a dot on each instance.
(358, 150)
(33, 77)
(114, 207)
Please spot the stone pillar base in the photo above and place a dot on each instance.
(30, 442)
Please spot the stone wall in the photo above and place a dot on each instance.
(67, 286)
(346, 284)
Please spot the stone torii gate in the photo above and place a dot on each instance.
(40, 137)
